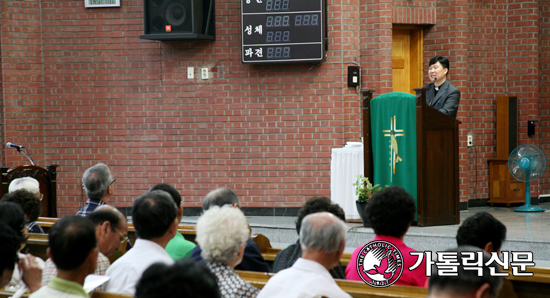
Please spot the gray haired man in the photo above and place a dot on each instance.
(323, 239)
(98, 184)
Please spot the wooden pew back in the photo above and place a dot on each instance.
(4, 294)
(355, 288)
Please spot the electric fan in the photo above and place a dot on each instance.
(526, 163)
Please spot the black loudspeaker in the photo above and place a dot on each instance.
(174, 16)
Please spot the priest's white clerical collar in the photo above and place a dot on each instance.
(436, 88)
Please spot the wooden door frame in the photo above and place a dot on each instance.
(416, 53)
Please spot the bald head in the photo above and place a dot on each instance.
(111, 228)
(107, 213)
(322, 231)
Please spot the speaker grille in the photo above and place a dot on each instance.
(176, 13)
(184, 16)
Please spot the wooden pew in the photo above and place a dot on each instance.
(355, 288)
(188, 231)
(109, 295)
(269, 253)
(37, 244)
(4, 294)
(536, 286)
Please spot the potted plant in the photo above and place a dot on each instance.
(364, 189)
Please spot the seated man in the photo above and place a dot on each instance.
(110, 230)
(98, 184)
(323, 239)
(252, 260)
(286, 257)
(30, 204)
(178, 247)
(154, 217)
(186, 278)
(466, 283)
(484, 231)
(73, 249)
(390, 213)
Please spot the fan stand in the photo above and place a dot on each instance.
(528, 207)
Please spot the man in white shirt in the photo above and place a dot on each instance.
(154, 217)
(323, 238)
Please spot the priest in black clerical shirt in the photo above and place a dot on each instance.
(441, 94)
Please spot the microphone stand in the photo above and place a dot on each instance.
(28, 157)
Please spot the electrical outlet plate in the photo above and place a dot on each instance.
(190, 73)
(470, 140)
(204, 73)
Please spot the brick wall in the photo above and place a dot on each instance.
(543, 127)
(449, 38)
(80, 87)
(22, 109)
(487, 75)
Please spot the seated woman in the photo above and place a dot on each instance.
(222, 234)
(28, 273)
(390, 213)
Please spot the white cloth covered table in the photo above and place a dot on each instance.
(345, 165)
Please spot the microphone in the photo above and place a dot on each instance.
(11, 145)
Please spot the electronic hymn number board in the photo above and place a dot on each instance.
(278, 31)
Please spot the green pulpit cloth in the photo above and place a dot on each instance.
(393, 131)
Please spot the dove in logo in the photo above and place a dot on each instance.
(381, 263)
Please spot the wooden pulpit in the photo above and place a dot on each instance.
(437, 161)
(46, 178)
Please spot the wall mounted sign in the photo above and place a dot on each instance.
(101, 3)
(280, 31)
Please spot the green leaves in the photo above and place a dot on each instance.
(364, 189)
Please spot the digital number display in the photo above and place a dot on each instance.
(278, 36)
(277, 21)
(306, 20)
(282, 30)
(277, 5)
(260, 54)
(269, 6)
(278, 52)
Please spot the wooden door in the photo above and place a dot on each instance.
(406, 58)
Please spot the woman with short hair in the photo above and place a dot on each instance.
(222, 234)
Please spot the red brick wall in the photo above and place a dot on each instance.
(80, 87)
(22, 109)
(543, 127)
(449, 38)
(487, 75)
(523, 66)
(376, 43)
